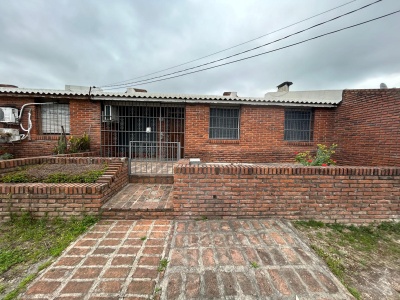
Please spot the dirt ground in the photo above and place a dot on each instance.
(366, 261)
(44, 170)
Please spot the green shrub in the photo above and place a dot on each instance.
(79, 144)
(16, 177)
(87, 177)
(322, 157)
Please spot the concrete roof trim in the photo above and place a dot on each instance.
(333, 97)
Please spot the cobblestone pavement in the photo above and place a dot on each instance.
(210, 259)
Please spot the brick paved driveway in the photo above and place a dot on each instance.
(209, 259)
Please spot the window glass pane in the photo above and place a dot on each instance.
(53, 116)
(224, 123)
(298, 125)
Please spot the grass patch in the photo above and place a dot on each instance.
(350, 250)
(25, 241)
(254, 265)
(162, 265)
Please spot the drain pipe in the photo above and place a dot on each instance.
(28, 130)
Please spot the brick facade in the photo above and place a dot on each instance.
(330, 194)
(63, 199)
(367, 127)
(84, 117)
(261, 135)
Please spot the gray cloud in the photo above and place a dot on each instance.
(46, 44)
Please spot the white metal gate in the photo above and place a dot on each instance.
(153, 157)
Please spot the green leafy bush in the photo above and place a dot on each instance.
(323, 156)
(16, 177)
(87, 177)
(79, 144)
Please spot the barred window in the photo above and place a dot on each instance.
(224, 123)
(53, 116)
(298, 125)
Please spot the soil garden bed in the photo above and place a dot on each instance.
(55, 173)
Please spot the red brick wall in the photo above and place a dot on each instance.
(367, 127)
(261, 135)
(84, 117)
(329, 194)
(63, 200)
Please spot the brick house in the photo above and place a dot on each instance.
(227, 128)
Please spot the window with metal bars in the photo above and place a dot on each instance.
(224, 123)
(298, 125)
(53, 116)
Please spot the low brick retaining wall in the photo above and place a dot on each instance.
(329, 194)
(61, 199)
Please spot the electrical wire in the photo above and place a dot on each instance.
(232, 47)
(277, 49)
(249, 50)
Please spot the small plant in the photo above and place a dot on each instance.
(6, 156)
(143, 238)
(254, 265)
(61, 147)
(79, 144)
(17, 177)
(162, 265)
(322, 158)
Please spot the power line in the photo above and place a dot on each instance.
(232, 47)
(277, 49)
(249, 50)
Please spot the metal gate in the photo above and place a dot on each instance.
(153, 157)
(144, 132)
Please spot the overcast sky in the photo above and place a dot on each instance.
(47, 44)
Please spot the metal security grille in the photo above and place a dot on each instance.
(153, 157)
(224, 123)
(53, 116)
(152, 124)
(298, 125)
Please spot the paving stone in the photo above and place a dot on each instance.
(208, 257)
(149, 260)
(245, 284)
(310, 281)
(174, 286)
(192, 257)
(264, 284)
(85, 273)
(211, 289)
(117, 272)
(43, 287)
(77, 287)
(279, 282)
(109, 287)
(95, 261)
(145, 273)
(293, 281)
(141, 287)
(192, 288)
(57, 273)
(104, 251)
(228, 283)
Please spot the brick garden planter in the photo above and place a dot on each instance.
(330, 194)
(61, 199)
